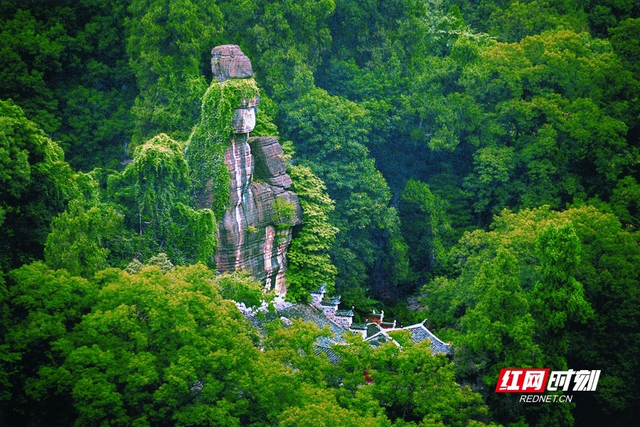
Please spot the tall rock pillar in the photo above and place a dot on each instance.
(254, 232)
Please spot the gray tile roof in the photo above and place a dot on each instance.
(420, 333)
(308, 313)
(378, 339)
(375, 334)
(331, 301)
(286, 312)
(372, 329)
(328, 351)
(344, 313)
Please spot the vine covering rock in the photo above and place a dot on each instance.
(211, 137)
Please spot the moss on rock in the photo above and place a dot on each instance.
(211, 137)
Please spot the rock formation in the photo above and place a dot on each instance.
(255, 231)
(228, 62)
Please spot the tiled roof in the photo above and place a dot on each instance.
(321, 290)
(331, 300)
(286, 312)
(375, 334)
(308, 313)
(328, 351)
(379, 339)
(420, 333)
(345, 313)
(372, 329)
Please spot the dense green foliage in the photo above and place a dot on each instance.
(163, 347)
(65, 64)
(331, 135)
(308, 256)
(486, 152)
(81, 236)
(35, 184)
(545, 288)
(153, 191)
(166, 43)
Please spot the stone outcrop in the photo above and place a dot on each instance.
(255, 232)
(268, 160)
(228, 62)
(244, 118)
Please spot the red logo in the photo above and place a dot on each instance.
(522, 380)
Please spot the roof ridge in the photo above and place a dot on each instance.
(421, 325)
(327, 317)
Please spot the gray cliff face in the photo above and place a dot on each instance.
(254, 234)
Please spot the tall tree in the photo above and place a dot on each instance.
(154, 190)
(498, 332)
(284, 39)
(158, 362)
(417, 386)
(31, 52)
(65, 64)
(624, 39)
(310, 264)
(36, 183)
(40, 307)
(83, 238)
(557, 298)
(426, 227)
(168, 45)
(329, 134)
(537, 134)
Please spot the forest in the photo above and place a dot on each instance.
(474, 163)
